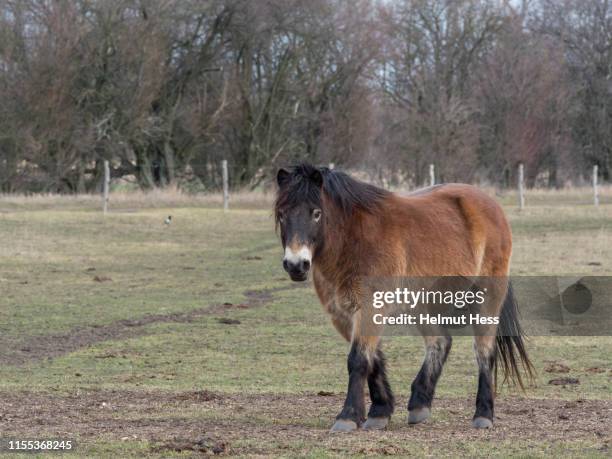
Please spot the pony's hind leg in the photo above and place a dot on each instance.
(383, 401)
(485, 348)
(424, 385)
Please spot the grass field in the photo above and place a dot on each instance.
(139, 339)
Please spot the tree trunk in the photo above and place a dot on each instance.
(169, 164)
(144, 169)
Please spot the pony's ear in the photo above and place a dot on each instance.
(282, 176)
(317, 177)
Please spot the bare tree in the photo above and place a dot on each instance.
(428, 71)
(166, 89)
(584, 27)
(525, 100)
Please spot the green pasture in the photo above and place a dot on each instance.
(222, 318)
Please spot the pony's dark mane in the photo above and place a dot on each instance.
(348, 193)
(306, 182)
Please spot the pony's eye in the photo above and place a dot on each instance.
(316, 215)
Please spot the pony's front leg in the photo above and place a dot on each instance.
(424, 385)
(359, 364)
(383, 401)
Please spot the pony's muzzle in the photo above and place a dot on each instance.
(297, 263)
(297, 271)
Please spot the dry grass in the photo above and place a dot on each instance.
(126, 200)
(548, 196)
(174, 197)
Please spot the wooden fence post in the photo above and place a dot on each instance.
(106, 184)
(432, 175)
(225, 185)
(521, 186)
(595, 190)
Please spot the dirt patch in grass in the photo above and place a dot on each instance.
(202, 445)
(216, 423)
(33, 348)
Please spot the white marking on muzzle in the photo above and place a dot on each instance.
(304, 254)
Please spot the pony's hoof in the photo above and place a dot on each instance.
(419, 415)
(375, 423)
(482, 423)
(344, 425)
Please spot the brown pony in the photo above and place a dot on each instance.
(343, 230)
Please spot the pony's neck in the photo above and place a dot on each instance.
(340, 244)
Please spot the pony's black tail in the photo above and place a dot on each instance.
(510, 344)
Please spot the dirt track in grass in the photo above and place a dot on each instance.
(215, 423)
(33, 348)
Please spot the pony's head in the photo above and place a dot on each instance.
(309, 200)
(299, 215)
